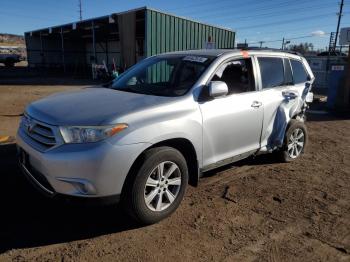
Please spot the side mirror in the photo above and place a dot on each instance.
(217, 89)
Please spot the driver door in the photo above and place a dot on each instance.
(232, 124)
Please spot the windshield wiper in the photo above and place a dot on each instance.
(128, 89)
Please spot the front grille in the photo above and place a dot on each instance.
(40, 134)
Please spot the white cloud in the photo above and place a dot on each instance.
(318, 33)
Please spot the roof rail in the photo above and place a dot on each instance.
(270, 49)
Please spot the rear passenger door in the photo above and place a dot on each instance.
(300, 76)
(275, 78)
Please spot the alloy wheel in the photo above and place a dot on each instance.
(296, 143)
(162, 186)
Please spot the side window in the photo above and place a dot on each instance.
(238, 75)
(288, 77)
(299, 73)
(272, 71)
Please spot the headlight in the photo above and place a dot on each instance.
(88, 134)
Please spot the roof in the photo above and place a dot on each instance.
(124, 12)
(219, 52)
(203, 52)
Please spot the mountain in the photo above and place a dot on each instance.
(10, 43)
(11, 40)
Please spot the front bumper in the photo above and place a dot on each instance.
(92, 170)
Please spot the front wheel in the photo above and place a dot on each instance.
(295, 141)
(158, 187)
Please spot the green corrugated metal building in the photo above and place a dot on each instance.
(120, 38)
(165, 33)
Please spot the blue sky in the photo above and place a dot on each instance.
(254, 20)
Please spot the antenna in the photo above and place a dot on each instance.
(80, 11)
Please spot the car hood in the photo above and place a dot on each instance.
(91, 106)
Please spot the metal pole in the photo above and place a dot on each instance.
(62, 49)
(41, 50)
(346, 101)
(330, 47)
(94, 41)
(80, 11)
(340, 14)
(106, 51)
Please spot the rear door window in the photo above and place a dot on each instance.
(299, 73)
(272, 71)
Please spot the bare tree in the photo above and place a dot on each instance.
(302, 48)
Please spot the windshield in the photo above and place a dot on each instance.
(163, 76)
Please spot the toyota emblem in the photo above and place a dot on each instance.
(30, 127)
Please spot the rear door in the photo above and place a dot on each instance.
(300, 76)
(275, 78)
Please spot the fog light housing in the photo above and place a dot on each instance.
(83, 186)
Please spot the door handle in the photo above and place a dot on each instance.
(290, 94)
(256, 104)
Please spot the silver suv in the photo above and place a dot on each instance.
(142, 138)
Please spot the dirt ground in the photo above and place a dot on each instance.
(254, 210)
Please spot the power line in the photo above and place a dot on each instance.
(250, 4)
(278, 13)
(270, 14)
(42, 9)
(207, 3)
(256, 6)
(286, 39)
(299, 19)
(27, 17)
(295, 29)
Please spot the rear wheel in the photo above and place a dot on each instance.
(295, 141)
(158, 186)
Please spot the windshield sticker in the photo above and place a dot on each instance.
(197, 59)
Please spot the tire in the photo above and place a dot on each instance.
(293, 150)
(136, 193)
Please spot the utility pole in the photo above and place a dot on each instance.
(346, 99)
(283, 43)
(340, 14)
(80, 11)
(261, 42)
